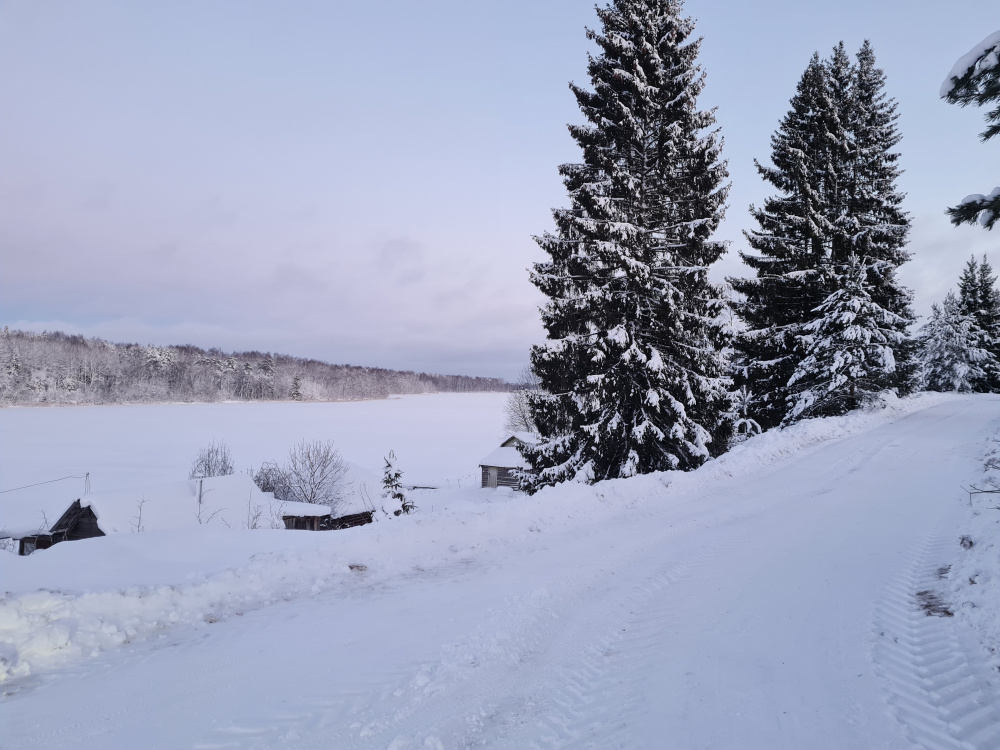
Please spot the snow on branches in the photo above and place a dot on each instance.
(975, 79)
(632, 375)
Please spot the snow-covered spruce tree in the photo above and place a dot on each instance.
(979, 299)
(792, 243)
(949, 359)
(975, 79)
(836, 171)
(988, 320)
(632, 376)
(877, 226)
(850, 350)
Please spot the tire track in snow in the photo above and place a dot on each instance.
(601, 686)
(496, 681)
(939, 689)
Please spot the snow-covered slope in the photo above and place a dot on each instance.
(750, 604)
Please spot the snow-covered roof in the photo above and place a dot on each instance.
(506, 458)
(529, 438)
(233, 501)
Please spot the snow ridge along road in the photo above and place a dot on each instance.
(739, 606)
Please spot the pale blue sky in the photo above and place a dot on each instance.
(359, 182)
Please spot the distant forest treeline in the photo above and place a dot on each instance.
(56, 368)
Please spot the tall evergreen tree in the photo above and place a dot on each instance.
(839, 211)
(632, 373)
(879, 227)
(792, 243)
(950, 359)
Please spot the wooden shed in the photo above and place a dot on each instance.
(499, 467)
(78, 522)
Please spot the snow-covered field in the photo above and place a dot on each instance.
(768, 600)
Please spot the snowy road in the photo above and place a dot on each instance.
(752, 612)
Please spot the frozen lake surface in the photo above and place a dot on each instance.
(438, 439)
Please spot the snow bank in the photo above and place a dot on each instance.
(972, 584)
(80, 598)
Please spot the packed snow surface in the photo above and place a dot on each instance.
(767, 600)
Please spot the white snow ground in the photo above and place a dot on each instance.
(764, 601)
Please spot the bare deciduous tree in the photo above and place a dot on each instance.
(516, 409)
(212, 461)
(137, 526)
(314, 473)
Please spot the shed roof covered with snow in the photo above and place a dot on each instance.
(499, 465)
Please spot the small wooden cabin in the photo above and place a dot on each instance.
(500, 466)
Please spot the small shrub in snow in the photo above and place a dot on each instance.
(392, 488)
(212, 461)
(271, 478)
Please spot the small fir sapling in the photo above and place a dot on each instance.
(744, 426)
(392, 488)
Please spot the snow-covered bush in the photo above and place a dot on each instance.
(214, 460)
(314, 474)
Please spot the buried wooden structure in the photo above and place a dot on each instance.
(328, 523)
(76, 523)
